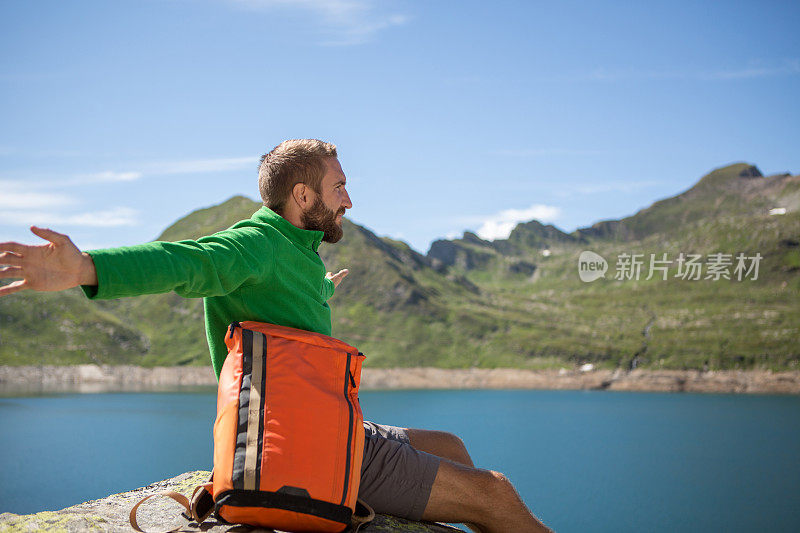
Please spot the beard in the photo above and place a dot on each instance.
(319, 218)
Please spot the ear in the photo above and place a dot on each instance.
(301, 194)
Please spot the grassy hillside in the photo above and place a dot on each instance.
(673, 323)
(516, 302)
(65, 328)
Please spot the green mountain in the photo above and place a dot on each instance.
(512, 302)
(738, 190)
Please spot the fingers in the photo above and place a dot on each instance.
(49, 235)
(13, 247)
(13, 287)
(338, 277)
(10, 272)
(8, 258)
(44, 233)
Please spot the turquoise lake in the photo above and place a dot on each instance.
(582, 461)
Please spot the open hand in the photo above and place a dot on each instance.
(338, 277)
(54, 266)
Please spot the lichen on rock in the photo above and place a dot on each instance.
(158, 514)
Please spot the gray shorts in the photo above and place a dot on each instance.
(396, 478)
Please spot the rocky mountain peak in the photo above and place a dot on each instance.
(473, 238)
(751, 171)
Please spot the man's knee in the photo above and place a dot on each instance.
(500, 477)
(485, 498)
(497, 482)
(440, 443)
(456, 447)
(490, 485)
(491, 491)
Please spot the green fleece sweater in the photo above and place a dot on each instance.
(263, 269)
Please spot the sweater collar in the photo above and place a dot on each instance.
(304, 237)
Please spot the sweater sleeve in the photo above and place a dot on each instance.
(210, 266)
(327, 289)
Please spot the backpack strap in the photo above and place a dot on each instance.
(363, 515)
(198, 508)
(202, 502)
(178, 497)
(202, 505)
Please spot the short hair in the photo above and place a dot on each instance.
(292, 162)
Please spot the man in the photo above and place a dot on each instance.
(267, 269)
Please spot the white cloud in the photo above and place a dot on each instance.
(18, 195)
(608, 186)
(788, 67)
(26, 204)
(114, 217)
(40, 200)
(118, 216)
(38, 153)
(348, 22)
(538, 152)
(499, 226)
(193, 166)
(161, 168)
(108, 177)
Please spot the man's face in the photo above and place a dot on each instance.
(330, 203)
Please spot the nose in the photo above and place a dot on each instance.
(347, 203)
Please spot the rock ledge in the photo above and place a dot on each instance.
(158, 514)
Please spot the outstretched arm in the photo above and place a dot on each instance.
(210, 266)
(55, 266)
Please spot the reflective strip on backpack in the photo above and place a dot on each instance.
(250, 432)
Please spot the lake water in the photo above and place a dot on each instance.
(583, 461)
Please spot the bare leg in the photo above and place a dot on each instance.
(440, 443)
(484, 498)
(473, 485)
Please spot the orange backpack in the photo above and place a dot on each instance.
(289, 434)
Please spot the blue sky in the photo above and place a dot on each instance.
(119, 117)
